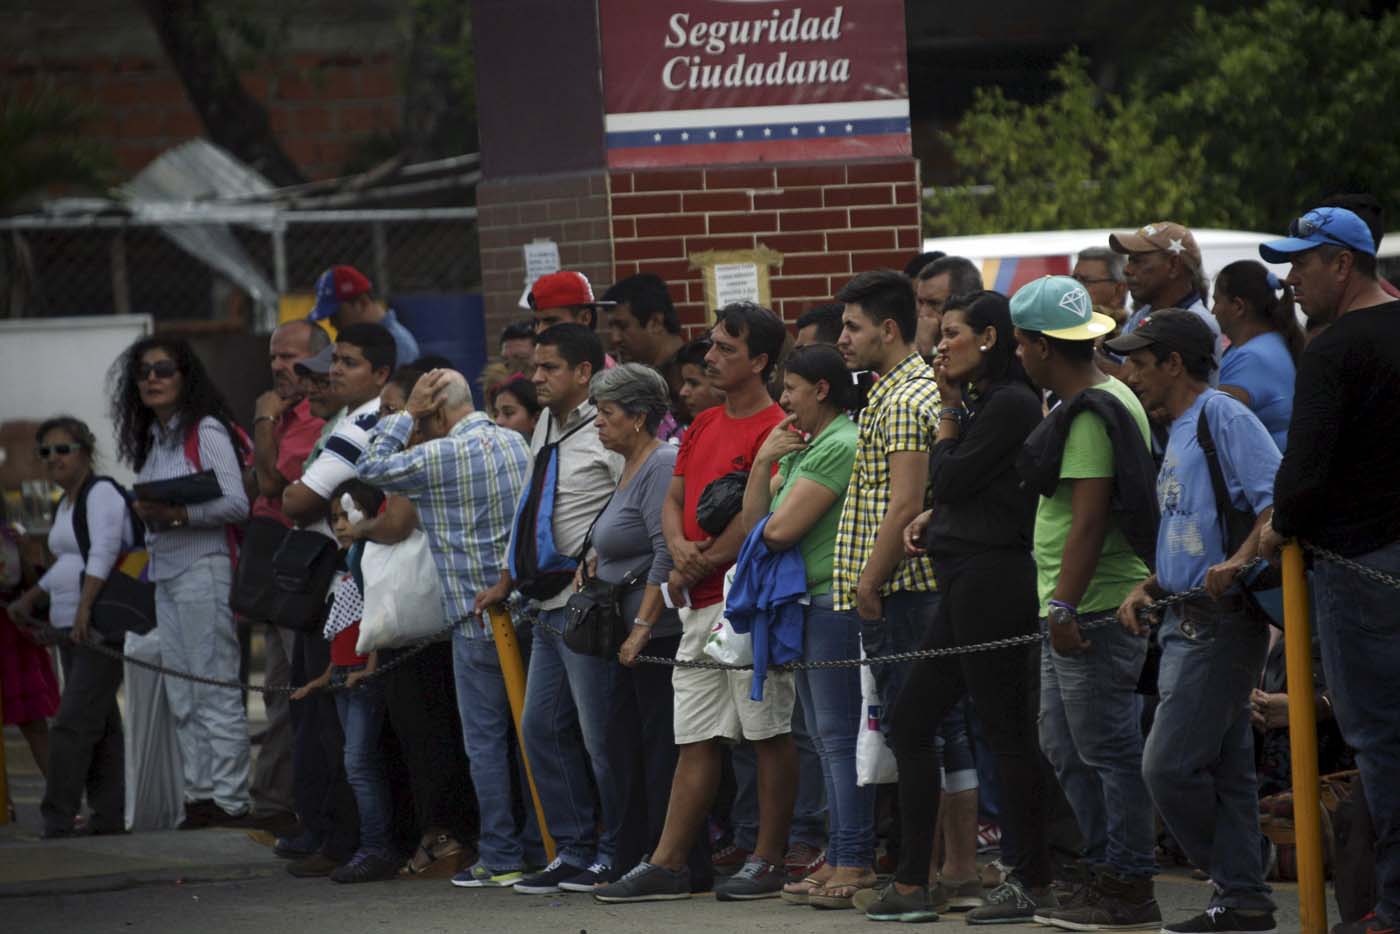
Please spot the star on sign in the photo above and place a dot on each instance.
(767, 131)
(849, 128)
(822, 129)
(684, 136)
(713, 134)
(1176, 245)
(656, 137)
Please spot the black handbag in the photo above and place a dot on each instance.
(593, 623)
(721, 501)
(283, 575)
(125, 604)
(187, 490)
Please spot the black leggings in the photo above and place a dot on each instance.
(984, 597)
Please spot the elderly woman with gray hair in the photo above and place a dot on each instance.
(632, 400)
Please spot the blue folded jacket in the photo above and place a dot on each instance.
(766, 599)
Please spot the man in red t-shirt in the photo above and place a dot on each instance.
(284, 432)
(713, 705)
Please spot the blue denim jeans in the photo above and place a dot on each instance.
(1090, 713)
(486, 728)
(1199, 757)
(568, 698)
(809, 809)
(901, 629)
(362, 719)
(1359, 628)
(832, 704)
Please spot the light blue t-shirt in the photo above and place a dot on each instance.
(1191, 537)
(1264, 368)
(405, 344)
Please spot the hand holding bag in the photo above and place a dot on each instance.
(402, 594)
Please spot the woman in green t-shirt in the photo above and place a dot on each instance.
(814, 449)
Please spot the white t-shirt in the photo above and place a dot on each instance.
(342, 451)
(109, 533)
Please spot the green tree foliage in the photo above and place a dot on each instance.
(42, 147)
(1239, 122)
(1081, 159)
(1289, 101)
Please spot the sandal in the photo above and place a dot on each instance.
(797, 893)
(840, 895)
(435, 859)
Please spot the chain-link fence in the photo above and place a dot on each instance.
(224, 264)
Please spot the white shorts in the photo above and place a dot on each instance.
(713, 704)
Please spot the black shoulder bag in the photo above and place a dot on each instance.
(283, 575)
(1236, 524)
(593, 623)
(125, 604)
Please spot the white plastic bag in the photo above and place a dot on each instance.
(723, 644)
(875, 763)
(155, 780)
(403, 596)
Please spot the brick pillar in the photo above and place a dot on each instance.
(830, 220)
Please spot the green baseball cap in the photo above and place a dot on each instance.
(1058, 306)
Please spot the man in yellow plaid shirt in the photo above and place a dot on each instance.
(894, 595)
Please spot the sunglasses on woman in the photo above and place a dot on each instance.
(48, 450)
(161, 369)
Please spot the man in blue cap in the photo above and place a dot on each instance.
(346, 296)
(1336, 489)
(1091, 462)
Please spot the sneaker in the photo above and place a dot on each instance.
(729, 859)
(365, 866)
(597, 874)
(1222, 920)
(481, 876)
(1118, 903)
(889, 904)
(988, 837)
(302, 845)
(646, 882)
(801, 860)
(757, 879)
(1013, 903)
(546, 881)
(959, 896)
(1366, 924)
(315, 866)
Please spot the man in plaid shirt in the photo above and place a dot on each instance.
(894, 595)
(465, 477)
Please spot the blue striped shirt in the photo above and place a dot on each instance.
(172, 551)
(465, 486)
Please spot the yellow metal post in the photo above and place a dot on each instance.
(513, 671)
(1302, 739)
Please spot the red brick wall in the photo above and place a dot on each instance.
(320, 104)
(829, 220)
(571, 210)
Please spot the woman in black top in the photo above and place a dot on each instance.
(978, 534)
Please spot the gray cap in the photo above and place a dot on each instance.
(318, 365)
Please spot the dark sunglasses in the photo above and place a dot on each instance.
(1306, 226)
(48, 450)
(161, 369)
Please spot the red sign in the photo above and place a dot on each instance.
(704, 81)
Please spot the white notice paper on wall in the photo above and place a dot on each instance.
(541, 259)
(735, 282)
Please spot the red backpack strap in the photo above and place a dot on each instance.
(231, 533)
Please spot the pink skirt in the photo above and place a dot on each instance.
(26, 672)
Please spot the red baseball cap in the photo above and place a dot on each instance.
(337, 284)
(562, 289)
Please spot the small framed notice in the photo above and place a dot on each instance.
(736, 275)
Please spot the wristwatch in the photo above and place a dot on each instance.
(1062, 613)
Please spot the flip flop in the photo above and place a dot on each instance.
(840, 895)
(797, 893)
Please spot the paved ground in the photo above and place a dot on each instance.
(225, 881)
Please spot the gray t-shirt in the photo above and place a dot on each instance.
(629, 532)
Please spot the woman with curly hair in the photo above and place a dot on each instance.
(173, 421)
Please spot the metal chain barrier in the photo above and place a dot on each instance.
(1086, 624)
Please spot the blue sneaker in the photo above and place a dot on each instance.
(546, 881)
(481, 876)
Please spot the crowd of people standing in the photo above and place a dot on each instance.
(929, 465)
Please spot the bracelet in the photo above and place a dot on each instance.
(1064, 606)
(265, 418)
(638, 621)
(955, 413)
